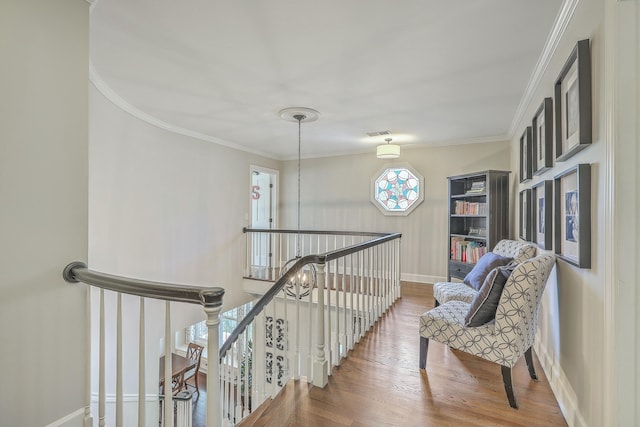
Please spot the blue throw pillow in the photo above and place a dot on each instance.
(483, 307)
(488, 262)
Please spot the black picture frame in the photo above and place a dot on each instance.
(525, 215)
(542, 137)
(573, 103)
(542, 216)
(572, 197)
(525, 155)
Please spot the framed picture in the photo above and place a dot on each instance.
(542, 136)
(525, 214)
(542, 218)
(525, 155)
(572, 189)
(573, 103)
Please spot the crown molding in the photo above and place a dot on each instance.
(559, 27)
(98, 82)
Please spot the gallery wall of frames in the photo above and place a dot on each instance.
(555, 212)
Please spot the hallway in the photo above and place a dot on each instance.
(380, 384)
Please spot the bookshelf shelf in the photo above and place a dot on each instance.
(478, 217)
(466, 196)
(469, 236)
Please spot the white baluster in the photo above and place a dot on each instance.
(371, 281)
(358, 290)
(168, 368)
(398, 269)
(277, 257)
(352, 324)
(225, 385)
(142, 393)
(247, 253)
(320, 371)
(246, 375)
(336, 288)
(385, 276)
(328, 340)
(365, 290)
(101, 366)
(119, 360)
(296, 357)
(378, 281)
(286, 331)
(272, 387)
(310, 335)
(214, 409)
(88, 418)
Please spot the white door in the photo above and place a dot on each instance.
(263, 204)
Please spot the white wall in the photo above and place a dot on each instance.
(571, 329)
(43, 214)
(622, 344)
(336, 196)
(164, 207)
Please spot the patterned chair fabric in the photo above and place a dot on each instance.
(457, 291)
(504, 340)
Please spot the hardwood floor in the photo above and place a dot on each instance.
(380, 384)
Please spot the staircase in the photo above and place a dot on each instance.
(302, 327)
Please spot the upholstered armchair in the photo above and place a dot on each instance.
(459, 291)
(502, 340)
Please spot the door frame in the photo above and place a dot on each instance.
(274, 192)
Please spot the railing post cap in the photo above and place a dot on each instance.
(67, 273)
(212, 297)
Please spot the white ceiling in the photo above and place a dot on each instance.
(431, 72)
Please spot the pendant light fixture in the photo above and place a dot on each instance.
(388, 151)
(301, 284)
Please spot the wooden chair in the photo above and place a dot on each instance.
(194, 352)
(177, 384)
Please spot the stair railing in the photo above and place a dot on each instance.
(210, 298)
(287, 335)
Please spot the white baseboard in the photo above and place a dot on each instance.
(64, 420)
(421, 278)
(561, 387)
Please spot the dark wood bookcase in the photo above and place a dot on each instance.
(478, 217)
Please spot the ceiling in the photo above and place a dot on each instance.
(431, 72)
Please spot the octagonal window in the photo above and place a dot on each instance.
(397, 190)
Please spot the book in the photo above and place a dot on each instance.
(470, 208)
(466, 251)
(477, 187)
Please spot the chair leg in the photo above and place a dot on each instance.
(508, 387)
(529, 358)
(424, 346)
(195, 379)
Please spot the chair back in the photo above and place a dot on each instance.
(194, 352)
(519, 251)
(517, 313)
(177, 383)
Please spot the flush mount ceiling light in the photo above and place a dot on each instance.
(388, 151)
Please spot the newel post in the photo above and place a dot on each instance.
(211, 300)
(320, 365)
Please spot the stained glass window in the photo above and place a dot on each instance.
(397, 190)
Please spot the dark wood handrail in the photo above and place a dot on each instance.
(291, 272)
(335, 233)
(206, 296)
